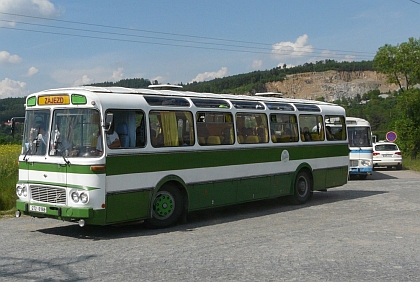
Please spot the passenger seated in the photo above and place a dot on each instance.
(306, 134)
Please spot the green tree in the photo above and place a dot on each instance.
(408, 121)
(401, 63)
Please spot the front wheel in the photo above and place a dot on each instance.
(167, 207)
(302, 191)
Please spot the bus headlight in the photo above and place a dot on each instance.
(84, 198)
(75, 197)
(365, 162)
(21, 190)
(78, 196)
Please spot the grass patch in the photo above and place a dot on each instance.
(8, 176)
(410, 164)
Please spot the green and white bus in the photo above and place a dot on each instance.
(169, 152)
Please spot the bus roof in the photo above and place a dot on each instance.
(95, 90)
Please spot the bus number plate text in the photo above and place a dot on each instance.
(54, 100)
(37, 209)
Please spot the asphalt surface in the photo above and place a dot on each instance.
(367, 230)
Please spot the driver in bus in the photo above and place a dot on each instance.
(112, 140)
(358, 140)
(41, 139)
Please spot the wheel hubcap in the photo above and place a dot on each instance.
(302, 187)
(163, 205)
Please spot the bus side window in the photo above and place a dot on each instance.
(215, 128)
(171, 128)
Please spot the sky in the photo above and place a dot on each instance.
(48, 44)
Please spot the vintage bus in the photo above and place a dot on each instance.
(169, 152)
(360, 144)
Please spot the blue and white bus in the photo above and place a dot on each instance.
(360, 144)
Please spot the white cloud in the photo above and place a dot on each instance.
(257, 64)
(117, 75)
(211, 75)
(12, 88)
(7, 58)
(83, 81)
(281, 65)
(31, 71)
(36, 8)
(299, 48)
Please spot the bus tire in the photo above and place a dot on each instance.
(302, 191)
(167, 207)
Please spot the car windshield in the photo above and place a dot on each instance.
(386, 147)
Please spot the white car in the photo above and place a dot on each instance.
(387, 154)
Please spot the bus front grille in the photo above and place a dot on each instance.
(45, 194)
(354, 163)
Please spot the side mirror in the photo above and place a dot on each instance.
(109, 118)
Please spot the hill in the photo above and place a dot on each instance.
(331, 85)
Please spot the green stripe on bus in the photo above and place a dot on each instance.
(53, 167)
(224, 157)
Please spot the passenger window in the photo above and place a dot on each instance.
(283, 128)
(252, 128)
(335, 128)
(171, 128)
(127, 130)
(311, 128)
(215, 128)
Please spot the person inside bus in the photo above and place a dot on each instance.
(328, 132)
(42, 137)
(358, 140)
(112, 140)
(306, 134)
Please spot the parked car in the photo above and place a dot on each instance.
(387, 154)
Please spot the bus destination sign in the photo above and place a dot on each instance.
(54, 100)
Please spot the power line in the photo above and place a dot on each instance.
(418, 3)
(243, 48)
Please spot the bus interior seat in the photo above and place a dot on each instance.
(213, 140)
(201, 140)
(252, 139)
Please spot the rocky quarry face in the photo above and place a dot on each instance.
(332, 85)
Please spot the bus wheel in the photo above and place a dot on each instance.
(166, 207)
(302, 191)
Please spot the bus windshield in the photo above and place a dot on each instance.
(72, 133)
(75, 133)
(359, 136)
(36, 132)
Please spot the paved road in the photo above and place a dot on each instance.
(364, 231)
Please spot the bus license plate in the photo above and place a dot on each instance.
(38, 209)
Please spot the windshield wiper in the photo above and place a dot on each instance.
(58, 144)
(26, 153)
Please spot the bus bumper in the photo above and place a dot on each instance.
(51, 211)
(358, 171)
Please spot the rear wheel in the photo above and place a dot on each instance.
(303, 188)
(399, 167)
(167, 207)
